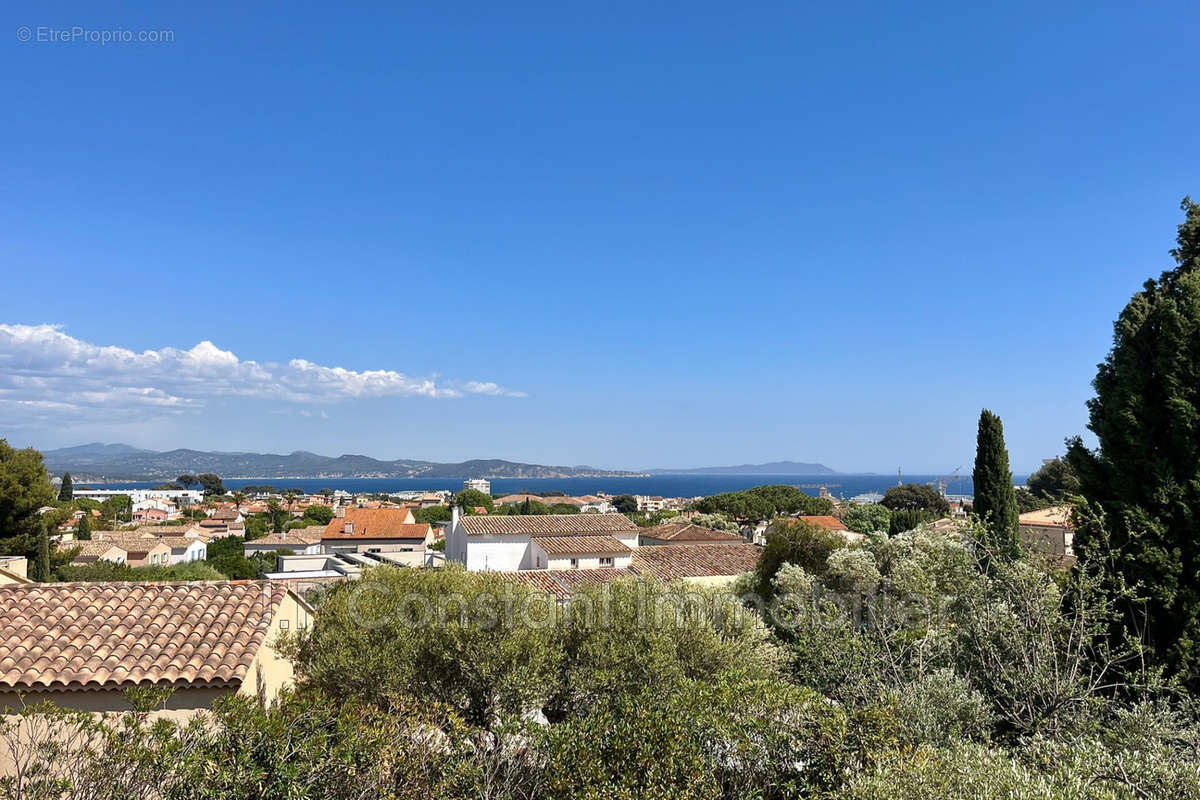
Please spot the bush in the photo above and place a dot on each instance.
(108, 571)
(471, 641)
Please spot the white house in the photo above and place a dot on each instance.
(305, 541)
(185, 548)
(505, 543)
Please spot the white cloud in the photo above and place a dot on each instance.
(46, 374)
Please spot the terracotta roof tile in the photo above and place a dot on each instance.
(90, 548)
(114, 635)
(583, 545)
(375, 523)
(826, 522)
(310, 535)
(548, 525)
(672, 562)
(689, 532)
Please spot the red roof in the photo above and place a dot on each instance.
(375, 523)
(826, 522)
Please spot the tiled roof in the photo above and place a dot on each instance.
(689, 532)
(672, 562)
(562, 583)
(548, 525)
(1055, 516)
(375, 523)
(510, 499)
(91, 548)
(114, 635)
(162, 530)
(583, 545)
(178, 542)
(826, 522)
(310, 535)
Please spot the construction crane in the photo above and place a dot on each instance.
(941, 483)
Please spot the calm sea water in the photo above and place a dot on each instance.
(665, 485)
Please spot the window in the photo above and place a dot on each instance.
(283, 624)
(574, 563)
(606, 561)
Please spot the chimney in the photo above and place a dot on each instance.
(340, 512)
(348, 527)
(454, 517)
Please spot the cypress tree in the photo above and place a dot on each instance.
(67, 492)
(43, 557)
(1143, 482)
(995, 497)
(83, 529)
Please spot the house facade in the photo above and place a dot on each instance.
(506, 543)
(375, 530)
(1048, 531)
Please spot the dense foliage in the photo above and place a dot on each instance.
(871, 518)
(470, 499)
(1054, 480)
(893, 667)
(764, 503)
(995, 500)
(1142, 484)
(24, 488)
(916, 497)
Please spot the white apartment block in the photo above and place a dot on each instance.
(478, 484)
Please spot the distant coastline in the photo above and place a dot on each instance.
(841, 485)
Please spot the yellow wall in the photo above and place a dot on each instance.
(270, 672)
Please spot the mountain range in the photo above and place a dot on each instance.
(99, 462)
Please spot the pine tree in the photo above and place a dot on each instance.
(42, 565)
(67, 492)
(1143, 483)
(995, 498)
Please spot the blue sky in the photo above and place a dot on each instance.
(627, 235)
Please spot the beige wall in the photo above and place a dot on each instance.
(270, 672)
(14, 565)
(1049, 539)
(182, 703)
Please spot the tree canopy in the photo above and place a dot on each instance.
(66, 491)
(318, 515)
(915, 497)
(625, 503)
(764, 503)
(24, 488)
(995, 499)
(470, 499)
(1054, 480)
(1142, 483)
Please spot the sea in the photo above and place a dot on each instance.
(843, 486)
